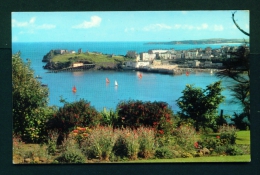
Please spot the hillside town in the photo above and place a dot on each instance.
(192, 58)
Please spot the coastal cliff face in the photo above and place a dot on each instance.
(48, 56)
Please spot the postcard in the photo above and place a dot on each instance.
(130, 87)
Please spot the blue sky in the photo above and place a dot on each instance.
(127, 26)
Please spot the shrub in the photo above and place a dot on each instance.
(209, 143)
(80, 134)
(164, 153)
(149, 114)
(30, 101)
(228, 134)
(71, 156)
(233, 150)
(185, 136)
(146, 142)
(127, 143)
(109, 118)
(78, 113)
(52, 142)
(100, 143)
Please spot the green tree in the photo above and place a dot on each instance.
(237, 68)
(29, 99)
(201, 104)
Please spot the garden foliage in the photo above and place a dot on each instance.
(30, 100)
(134, 114)
(78, 113)
(201, 104)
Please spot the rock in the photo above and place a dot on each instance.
(36, 159)
(204, 151)
(27, 160)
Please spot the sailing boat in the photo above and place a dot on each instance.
(140, 75)
(187, 73)
(107, 80)
(116, 83)
(211, 72)
(74, 90)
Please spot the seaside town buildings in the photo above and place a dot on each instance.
(190, 58)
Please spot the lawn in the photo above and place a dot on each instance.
(91, 57)
(243, 158)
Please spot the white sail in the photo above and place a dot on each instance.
(116, 83)
(211, 71)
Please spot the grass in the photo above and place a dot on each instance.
(243, 137)
(91, 57)
(243, 158)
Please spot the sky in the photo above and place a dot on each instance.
(127, 26)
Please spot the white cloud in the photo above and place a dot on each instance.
(218, 27)
(184, 12)
(29, 27)
(46, 26)
(156, 27)
(19, 24)
(32, 20)
(94, 22)
(131, 29)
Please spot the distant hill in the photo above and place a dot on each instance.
(203, 41)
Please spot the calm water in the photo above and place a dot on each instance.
(91, 85)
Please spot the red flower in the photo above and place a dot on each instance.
(218, 137)
(196, 145)
(161, 131)
(76, 131)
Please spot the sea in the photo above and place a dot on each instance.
(91, 85)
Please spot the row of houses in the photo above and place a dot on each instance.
(207, 54)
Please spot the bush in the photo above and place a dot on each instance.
(209, 143)
(185, 136)
(228, 134)
(149, 114)
(100, 143)
(71, 156)
(164, 153)
(109, 118)
(30, 101)
(127, 143)
(233, 150)
(52, 142)
(78, 113)
(146, 142)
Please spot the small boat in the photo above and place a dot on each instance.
(107, 80)
(116, 83)
(187, 73)
(140, 75)
(38, 77)
(211, 72)
(74, 89)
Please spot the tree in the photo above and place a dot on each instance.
(29, 99)
(237, 68)
(201, 105)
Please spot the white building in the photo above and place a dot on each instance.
(136, 64)
(77, 64)
(144, 56)
(157, 51)
(196, 63)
